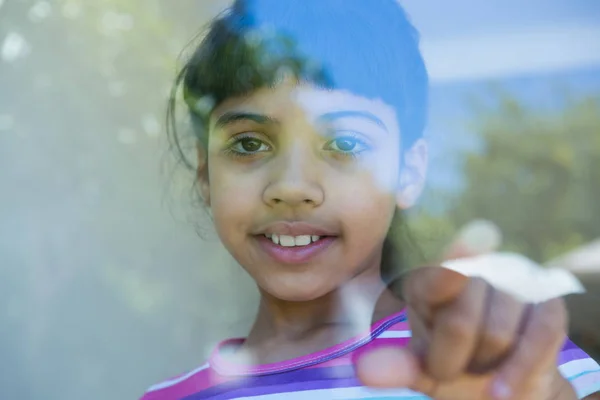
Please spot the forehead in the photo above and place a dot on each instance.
(289, 98)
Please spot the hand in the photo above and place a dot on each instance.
(471, 341)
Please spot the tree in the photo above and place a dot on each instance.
(536, 175)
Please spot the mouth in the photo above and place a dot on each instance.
(293, 241)
(300, 249)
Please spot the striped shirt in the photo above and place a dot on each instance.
(329, 374)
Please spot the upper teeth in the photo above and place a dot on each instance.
(291, 241)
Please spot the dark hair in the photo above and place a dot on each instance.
(367, 47)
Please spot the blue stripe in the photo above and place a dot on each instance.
(582, 374)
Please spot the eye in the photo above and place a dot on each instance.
(249, 145)
(347, 144)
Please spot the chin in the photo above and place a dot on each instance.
(297, 292)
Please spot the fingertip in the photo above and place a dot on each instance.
(557, 308)
(450, 276)
(388, 367)
(434, 284)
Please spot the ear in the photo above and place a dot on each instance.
(202, 173)
(413, 174)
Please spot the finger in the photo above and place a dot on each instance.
(420, 336)
(499, 333)
(393, 367)
(427, 288)
(388, 367)
(456, 330)
(535, 355)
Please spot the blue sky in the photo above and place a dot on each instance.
(438, 19)
(466, 39)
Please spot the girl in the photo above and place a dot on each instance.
(308, 117)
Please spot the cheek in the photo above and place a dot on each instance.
(384, 177)
(234, 197)
(384, 167)
(366, 203)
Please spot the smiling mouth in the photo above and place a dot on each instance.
(300, 249)
(293, 241)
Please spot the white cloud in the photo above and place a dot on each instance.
(536, 50)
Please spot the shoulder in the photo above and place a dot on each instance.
(180, 386)
(579, 369)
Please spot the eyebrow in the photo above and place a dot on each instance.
(235, 116)
(331, 116)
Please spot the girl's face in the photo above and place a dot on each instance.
(303, 183)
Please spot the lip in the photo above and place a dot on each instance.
(296, 254)
(295, 229)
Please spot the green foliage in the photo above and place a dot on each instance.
(432, 234)
(537, 176)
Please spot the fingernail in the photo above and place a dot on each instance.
(500, 390)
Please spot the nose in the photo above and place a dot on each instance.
(294, 180)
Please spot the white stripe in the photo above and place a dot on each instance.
(175, 381)
(339, 393)
(394, 334)
(577, 367)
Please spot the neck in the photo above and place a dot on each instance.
(316, 324)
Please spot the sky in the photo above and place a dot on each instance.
(469, 39)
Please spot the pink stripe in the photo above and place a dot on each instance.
(336, 362)
(199, 381)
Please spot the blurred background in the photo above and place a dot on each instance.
(110, 276)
